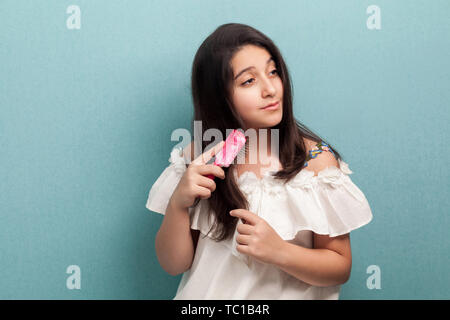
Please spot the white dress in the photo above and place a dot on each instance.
(328, 204)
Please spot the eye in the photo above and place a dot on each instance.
(274, 70)
(247, 81)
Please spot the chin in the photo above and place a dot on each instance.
(268, 125)
(275, 120)
(268, 122)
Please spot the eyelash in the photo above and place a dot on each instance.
(252, 78)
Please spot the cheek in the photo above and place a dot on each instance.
(245, 102)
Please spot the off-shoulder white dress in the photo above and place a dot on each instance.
(327, 204)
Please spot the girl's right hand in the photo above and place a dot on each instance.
(194, 183)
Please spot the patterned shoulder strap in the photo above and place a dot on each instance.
(321, 146)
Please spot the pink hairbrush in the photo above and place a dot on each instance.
(233, 144)
(231, 148)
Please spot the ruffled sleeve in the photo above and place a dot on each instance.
(164, 186)
(328, 204)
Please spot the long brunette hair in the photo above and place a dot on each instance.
(211, 84)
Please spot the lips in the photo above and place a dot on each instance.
(271, 105)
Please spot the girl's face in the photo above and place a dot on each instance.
(256, 87)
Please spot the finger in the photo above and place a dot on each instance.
(203, 193)
(206, 156)
(245, 229)
(211, 169)
(250, 217)
(242, 248)
(206, 183)
(243, 239)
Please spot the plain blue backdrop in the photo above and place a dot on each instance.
(86, 117)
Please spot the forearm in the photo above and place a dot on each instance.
(173, 243)
(318, 267)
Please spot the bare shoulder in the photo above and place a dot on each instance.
(309, 143)
(322, 160)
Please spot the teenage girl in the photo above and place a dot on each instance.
(278, 231)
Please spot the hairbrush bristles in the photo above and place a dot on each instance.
(243, 152)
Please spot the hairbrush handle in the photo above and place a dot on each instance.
(195, 202)
(230, 149)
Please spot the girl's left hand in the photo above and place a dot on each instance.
(257, 238)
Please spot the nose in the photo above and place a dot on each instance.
(268, 87)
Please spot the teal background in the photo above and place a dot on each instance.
(86, 117)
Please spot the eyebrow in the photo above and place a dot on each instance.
(251, 67)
